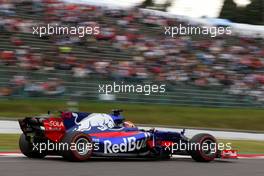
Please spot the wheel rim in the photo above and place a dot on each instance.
(82, 146)
(208, 143)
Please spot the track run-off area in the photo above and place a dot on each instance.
(12, 127)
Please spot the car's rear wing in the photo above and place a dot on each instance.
(31, 124)
(46, 128)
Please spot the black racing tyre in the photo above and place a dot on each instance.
(26, 148)
(80, 146)
(207, 150)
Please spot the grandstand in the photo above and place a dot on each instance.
(92, 50)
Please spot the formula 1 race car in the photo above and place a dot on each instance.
(79, 136)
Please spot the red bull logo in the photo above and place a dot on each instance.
(100, 121)
(129, 144)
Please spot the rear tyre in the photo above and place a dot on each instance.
(28, 150)
(203, 153)
(80, 146)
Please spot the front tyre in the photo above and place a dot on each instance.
(80, 146)
(206, 147)
(27, 148)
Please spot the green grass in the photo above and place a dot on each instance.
(9, 142)
(223, 118)
(246, 147)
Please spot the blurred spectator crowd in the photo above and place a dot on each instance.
(234, 63)
(22, 85)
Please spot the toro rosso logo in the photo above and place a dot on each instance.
(100, 121)
(129, 144)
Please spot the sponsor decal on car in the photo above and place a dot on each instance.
(100, 121)
(54, 129)
(129, 144)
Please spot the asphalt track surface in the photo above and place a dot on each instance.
(22, 166)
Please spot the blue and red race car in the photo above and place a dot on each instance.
(79, 136)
